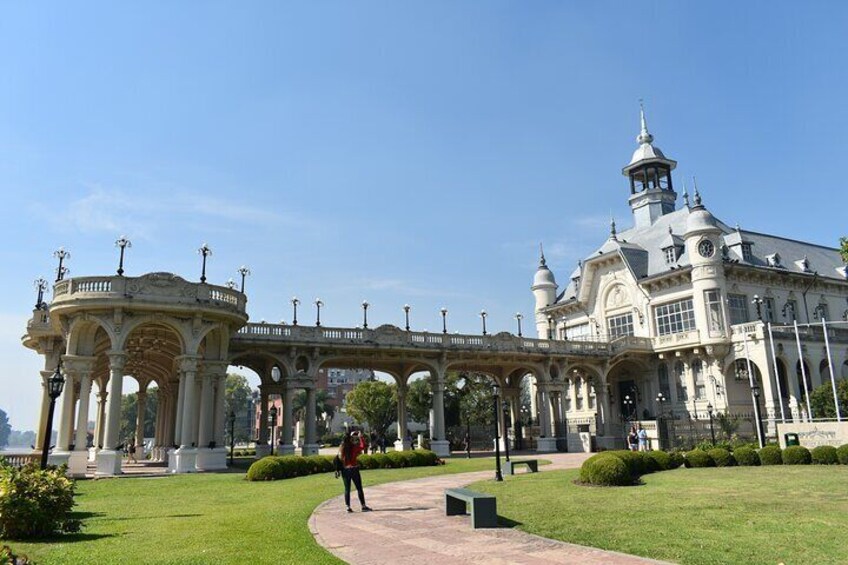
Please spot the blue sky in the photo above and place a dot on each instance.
(395, 153)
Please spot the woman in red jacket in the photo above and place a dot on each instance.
(352, 445)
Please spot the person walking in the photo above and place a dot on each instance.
(632, 439)
(643, 439)
(352, 445)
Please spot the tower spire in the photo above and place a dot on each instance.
(697, 194)
(644, 135)
(542, 262)
(685, 194)
(613, 235)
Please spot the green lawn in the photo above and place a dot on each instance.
(764, 515)
(206, 518)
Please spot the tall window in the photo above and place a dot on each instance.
(680, 381)
(580, 331)
(790, 310)
(579, 383)
(567, 395)
(619, 326)
(747, 253)
(700, 384)
(822, 311)
(670, 255)
(768, 310)
(675, 317)
(712, 298)
(662, 375)
(591, 396)
(737, 304)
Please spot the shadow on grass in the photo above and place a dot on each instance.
(157, 517)
(504, 522)
(85, 515)
(70, 538)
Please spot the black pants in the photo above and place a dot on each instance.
(352, 474)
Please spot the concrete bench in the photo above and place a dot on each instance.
(532, 466)
(483, 507)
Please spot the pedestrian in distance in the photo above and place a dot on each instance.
(633, 439)
(643, 439)
(352, 445)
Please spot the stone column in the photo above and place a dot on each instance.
(185, 457)
(220, 409)
(178, 423)
(141, 408)
(546, 443)
(205, 433)
(310, 447)
(212, 418)
(262, 446)
(45, 407)
(287, 447)
(157, 426)
(109, 458)
(438, 443)
(63, 441)
(81, 438)
(402, 444)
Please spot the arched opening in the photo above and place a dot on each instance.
(805, 379)
(782, 380)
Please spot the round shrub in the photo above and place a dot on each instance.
(746, 456)
(266, 469)
(399, 459)
(632, 459)
(797, 455)
(35, 503)
(698, 458)
(605, 470)
(722, 457)
(675, 460)
(771, 455)
(649, 464)
(661, 460)
(842, 454)
(824, 455)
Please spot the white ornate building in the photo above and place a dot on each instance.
(680, 292)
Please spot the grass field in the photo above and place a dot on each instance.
(206, 518)
(746, 515)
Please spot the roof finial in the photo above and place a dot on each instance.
(697, 194)
(644, 136)
(542, 262)
(685, 194)
(613, 235)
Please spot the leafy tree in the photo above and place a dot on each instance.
(20, 438)
(418, 401)
(238, 399)
(373, 403)
(5, 429)
(129, 411)
(476, 401)
(843, 248)
(821, 399)
(322, 406)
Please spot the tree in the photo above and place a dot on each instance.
(843, 248)
(322, 406)
(821, 399)
(129, 412)
(477, 400)
(237, 398)
(418, 401)
(5, 429)
(373, 403)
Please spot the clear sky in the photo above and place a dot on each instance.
(391, 152)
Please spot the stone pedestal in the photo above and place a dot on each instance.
(211, 459)
(309, 449)
(58, 458)
(108, 463)
(185, 460)
(262, 450)
(285, 449)
(78, 464)
(403, 445)
(440, 447)
(546, 445)
(139, 453)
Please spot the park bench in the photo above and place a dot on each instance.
(483, 508)
(532, 466)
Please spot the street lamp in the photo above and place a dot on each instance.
(758, 303)
(444, 312)
(662, 435)
(55, 384)
(506, 435)
(365, 306)
(205, 251)
(755, 391)
(497, 403)
(318, 305)
(712, 429)
(61, 255)
(464, 389)
(232, 418)
(243, 271)
(483, 315)
(231, 284)
(628, 404)
(295, 301)
(406, 308)
(272, 421)
(519, 317)
(41, 285)
(123, 243)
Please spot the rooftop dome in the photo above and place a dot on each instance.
(544, 276)
(699, 217)
(646, 150)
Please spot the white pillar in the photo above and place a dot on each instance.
(63, 440)
(402, 444)
(207, 399)
(438, 442)
(109, 458)
(178, 425)
(45, 407)
(546, 443)
(310, 446)
(287, 447)
(185, 457)
(220, 409)
(141, 413)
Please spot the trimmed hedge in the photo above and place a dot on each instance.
(771, 455)
(722, 457)
(796, 455)
(273, 468)
(842, 454)
(697, 459)
(605, 469)
(746, 456)
(676, 460)
(661, 459)
(634, 460)
(824, 455)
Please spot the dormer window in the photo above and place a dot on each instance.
(670, 255)
(774, 261)
(804, 265)
(747, 252)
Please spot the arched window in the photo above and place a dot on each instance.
(824, 371)
(680, 381)
(662, 376)
(781, 379)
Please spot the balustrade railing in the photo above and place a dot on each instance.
(18, 460)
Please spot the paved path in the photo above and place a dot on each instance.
(409, 526)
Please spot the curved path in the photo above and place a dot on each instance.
(409, 526)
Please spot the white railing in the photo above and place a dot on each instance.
(223, 296)
(92, 285)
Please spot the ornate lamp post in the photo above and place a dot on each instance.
(483, 315)
(365, 306)
(444, 312)
(61, 255)
(518, 318)
(123, 243)
(272, 422)
(55, 384)
(758, 304)
(497, 405)
(205, 251)
(661, 401)
(231, 284)
(318, 305)
(628, 406)
(406, 308)
(40, 285)
(506, 435)
(232, 417)
(712, 429)
(244, 272)
(761, 436)
(295, 301)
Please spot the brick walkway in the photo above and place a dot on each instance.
(409, 526)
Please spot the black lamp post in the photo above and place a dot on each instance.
(712, 429)
(318, 305)
(444, 312)
(272, 422)
(205, 251)
(661, 435)
(365, 306)
(55, 384)
(406, 308)
(295, 301)
(231, 284)
(483, 315)
(506, 435)
(497, 404)
(758, 304)
(755, 391)
(122, 243)
(232, 418)
(40, 285)
(628, 406)
(244, 272)
(61, 255)
(519, 317)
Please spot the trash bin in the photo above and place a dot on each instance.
(791, 439)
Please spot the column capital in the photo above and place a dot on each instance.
(187, 363)
(215, 368)
(78, 364)
(117, 359)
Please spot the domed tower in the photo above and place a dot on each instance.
(651, 191)
(544, 289)
(703, 241)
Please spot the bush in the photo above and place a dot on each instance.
(842, 454)
(698, 458)
(266, 469)
(746, 456)
(676, 459)
(632, 459)
(722, 457)
(35, 503)
(661, 459)
(796, 455)
(824, 455)
(771, 455)
(605, 469)
(274, 468)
